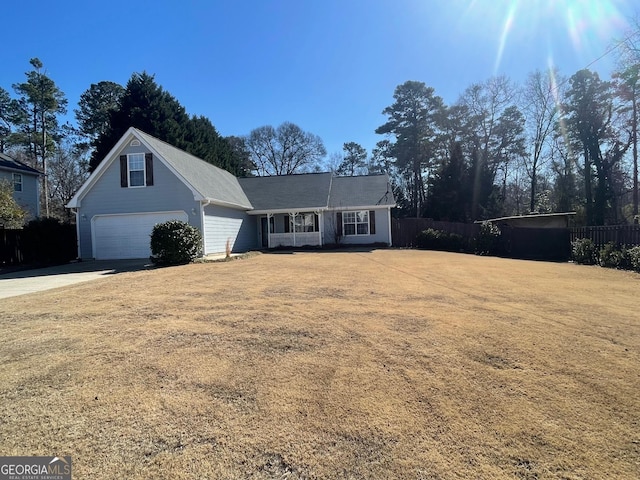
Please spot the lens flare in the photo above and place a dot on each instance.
(579, 28)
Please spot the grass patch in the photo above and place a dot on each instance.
(381, 364)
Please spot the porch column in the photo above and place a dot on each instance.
(320, 215)
(269, 215)
(292, 219)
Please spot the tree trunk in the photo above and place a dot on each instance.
(634, 133)
(587, 186)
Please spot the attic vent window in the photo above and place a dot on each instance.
(135, 143)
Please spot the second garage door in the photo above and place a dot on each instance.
(127, 236)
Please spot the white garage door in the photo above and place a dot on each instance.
(127, 236)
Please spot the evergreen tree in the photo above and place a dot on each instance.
(448, 200)
(415, 121)
(354, 161)
(146, 106)
(95, 106)
(589, 113)
(41, 101)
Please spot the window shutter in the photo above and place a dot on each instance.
(339, 223)
(148, 164)
(316, 222)
(286, 224)
(372, 222)
(123, 171)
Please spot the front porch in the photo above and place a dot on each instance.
(292, 229)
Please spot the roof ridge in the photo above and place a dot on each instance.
(182, 151)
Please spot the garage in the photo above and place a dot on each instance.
(127, 235)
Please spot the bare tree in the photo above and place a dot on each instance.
(540, 98)
(284, 150)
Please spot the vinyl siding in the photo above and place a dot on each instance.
(381, 235)
(28, 198)
(223, 223)
(106, 196)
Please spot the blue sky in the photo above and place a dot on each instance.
(329, 66)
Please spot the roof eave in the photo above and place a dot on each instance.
(276, 211)
(222, 203)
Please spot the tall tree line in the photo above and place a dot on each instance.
(551, 144)
(31, 130)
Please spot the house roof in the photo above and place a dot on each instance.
(308, 191)
(211, 182)
(206, 181)
(361, 191)
(316, 191)
(8, 163)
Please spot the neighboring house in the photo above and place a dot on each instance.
(144, 181)
(26, 184)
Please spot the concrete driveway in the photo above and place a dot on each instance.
(37, 280)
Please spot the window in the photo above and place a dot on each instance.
(136, 169)
(17, 182)
(355, 223)
(305, 222)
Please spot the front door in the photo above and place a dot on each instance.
(264, 232)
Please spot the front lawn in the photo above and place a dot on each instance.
(383, 364)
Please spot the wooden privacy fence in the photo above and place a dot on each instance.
(45, 243)
(628, 235)
(404, 231)
(10, 247)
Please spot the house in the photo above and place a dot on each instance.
(26, 184)
(144, 181)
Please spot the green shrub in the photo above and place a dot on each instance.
(610, 256)
(633, 254)
(489, 241)
(432, 239)
(175, 243)
(429, 239)
(583, 251)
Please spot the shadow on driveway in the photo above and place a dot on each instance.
(107, 267)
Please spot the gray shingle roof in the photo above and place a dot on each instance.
(9, 163)
(304, 191)
(361, 191)
(210, 181)
(317, 190)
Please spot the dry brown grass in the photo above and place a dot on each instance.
(387, 364)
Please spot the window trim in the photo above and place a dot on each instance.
(144, 170)
(17, 181)
(355, 223)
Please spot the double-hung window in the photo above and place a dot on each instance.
(305, 222)
(17, 182)
(355, 223)
(135, 169)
